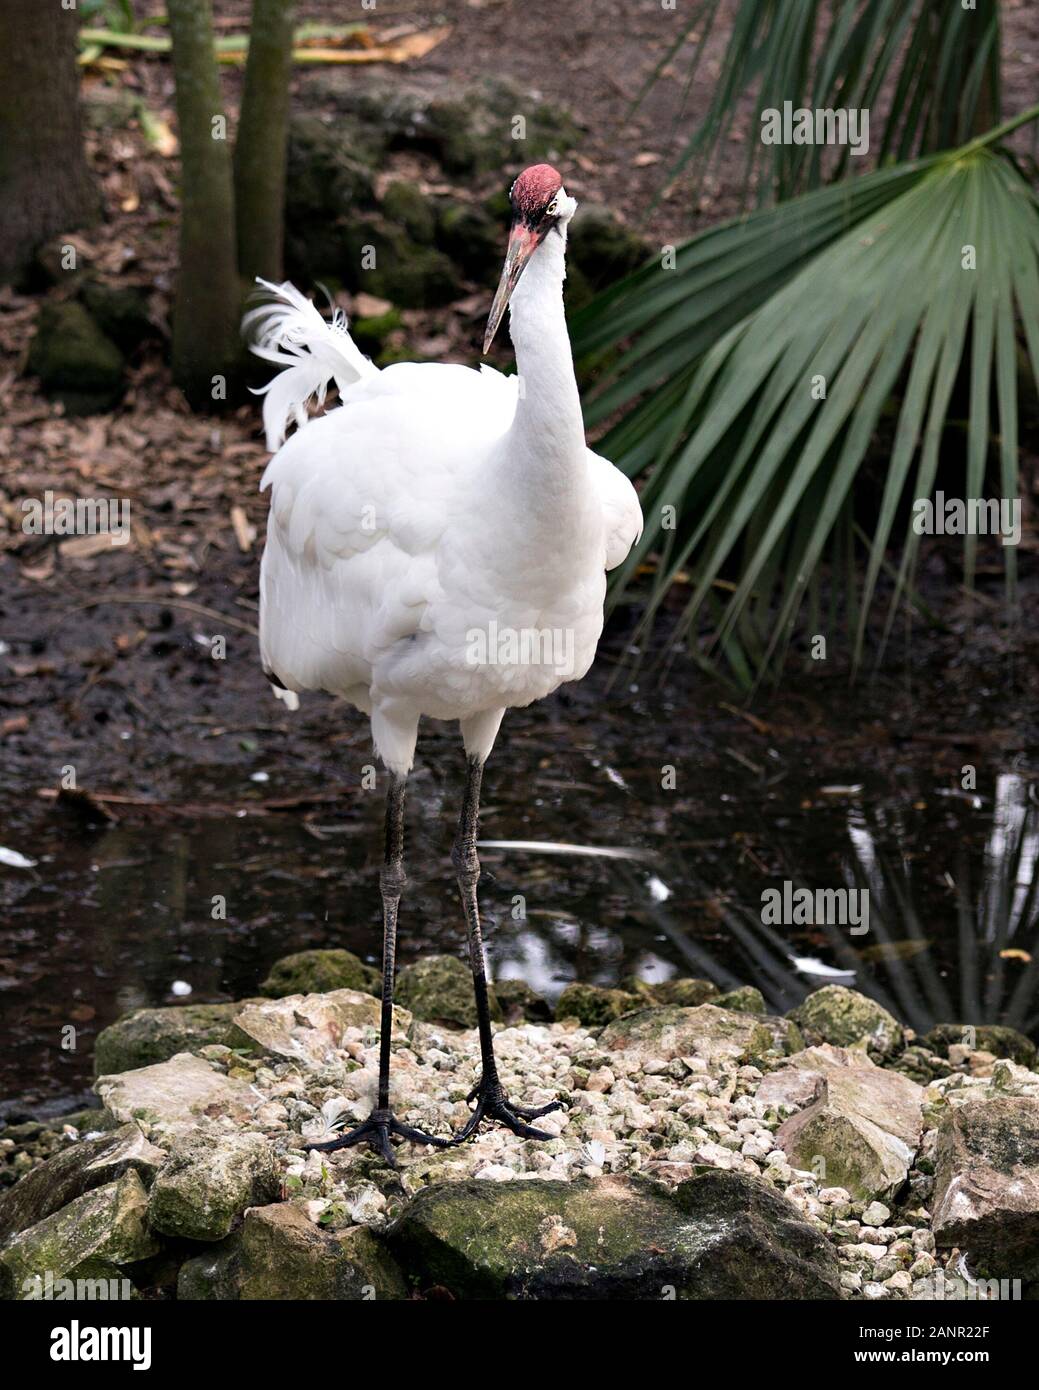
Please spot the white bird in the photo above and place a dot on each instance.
(437, 545)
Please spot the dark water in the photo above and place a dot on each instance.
(118, 917)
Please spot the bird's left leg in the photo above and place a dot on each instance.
(491, 1101)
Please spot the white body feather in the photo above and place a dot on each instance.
(433, 518)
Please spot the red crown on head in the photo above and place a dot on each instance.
(535, 188)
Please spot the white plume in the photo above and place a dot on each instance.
(288, 331)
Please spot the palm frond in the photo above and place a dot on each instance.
(845, 291)
(930, 65)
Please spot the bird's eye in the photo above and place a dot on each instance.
(552, 208)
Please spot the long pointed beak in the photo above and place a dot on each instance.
(522, 245)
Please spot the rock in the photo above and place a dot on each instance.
(718, 1235)
(106, 1224)
(318, 972)
(601, 248)
(686, 991)
(876, 1214)
(473, 239)
(170, 1092)
(861, 1127)
(155, 1035)
(845, 1018)
(121, 312)
(469, 131)
(327, 185)
(279, 1254)
(74, 360)
(994, 1038)
(986, 1187)
(519, 1003)
(439, 989)
(209, 1180)
(405, 204)
(708, 1031)
(372, 335)
(404, 272)
(745, 1000)
(81, 1167)
(595, 1006)
(309, 1027)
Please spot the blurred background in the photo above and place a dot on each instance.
(156, 157)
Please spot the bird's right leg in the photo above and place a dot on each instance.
(382, 1124)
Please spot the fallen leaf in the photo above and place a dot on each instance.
(1015, 953)
(245, 531)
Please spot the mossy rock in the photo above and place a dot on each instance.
(75, 361)
(209, 1180)
(370, 334)
(327, 187)
(595, 1006)
(73, 1171)
(474, 239)
(121, 312)
(519, 1003)
(405, 204)
(846, 1018)
(155, 1035)
(439, 989)
(721, 1235)
(995, 1038)
(107, 1223)
(602, 248)
(688, 992)
(319, 972)
(279, 1255)
(470, 131)
(745, 1000)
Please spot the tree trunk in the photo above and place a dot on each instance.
(260, 152)
(207, 350)
(45, 185)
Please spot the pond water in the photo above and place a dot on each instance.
(616, 874)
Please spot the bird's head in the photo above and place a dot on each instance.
(540, 205)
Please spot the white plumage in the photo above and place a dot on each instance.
(433, 517)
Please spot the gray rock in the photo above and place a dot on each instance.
(439, 989)
(708, 1031)
(861, 1127)
(171, 1092)
(155, 1035)
(107, 1224)
(309, 1028)
(846, 1018)
(519, 1003)
(84, 1165)
(279, 1255)
(209, 1180)
(994, 1038)
(719, 1235)
(318, 972)
(986, 1189)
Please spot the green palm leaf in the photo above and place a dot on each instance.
(855, 287)
(938, 61)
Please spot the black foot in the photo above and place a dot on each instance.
(376, 1131)
(493, 1104)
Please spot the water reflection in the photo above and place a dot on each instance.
(591, 872)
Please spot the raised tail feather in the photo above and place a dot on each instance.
(288, 331)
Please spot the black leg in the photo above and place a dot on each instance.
(489, 1094)
(377, 1129)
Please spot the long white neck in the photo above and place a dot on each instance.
(546, 440)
